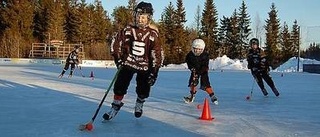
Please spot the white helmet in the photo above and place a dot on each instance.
(198, 46)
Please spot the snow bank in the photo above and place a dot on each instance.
(220, 63)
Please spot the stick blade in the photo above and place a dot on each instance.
(82, 127)
(86, 127)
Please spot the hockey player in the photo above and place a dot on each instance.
(259, 66)
(72, 60)
(136, 51)
(198, 63)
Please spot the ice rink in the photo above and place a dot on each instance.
(35, 103)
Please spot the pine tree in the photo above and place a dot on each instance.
(56, 19)
(131, 5)
(102, 21)
(16, 21)
(313, 52)
(224, 29)
(272, 28)
(197, 19)
(99, 27)
(73, 22)
(122, 17)
(209, 27)
(41, 22)
(84, 24)
(244, 28)
(295, 37)
(234, 37)
(286, 43)
(167, 29)
(180, 44)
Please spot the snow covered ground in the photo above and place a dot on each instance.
(225, 63)
(35, 103)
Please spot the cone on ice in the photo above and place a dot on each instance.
(206, 112)
(91, 75)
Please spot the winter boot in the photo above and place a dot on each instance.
(275, 91)
(138, 108)
(214, 99)
(116, 105)
(264, 91)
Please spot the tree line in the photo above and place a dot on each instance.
(23, 22)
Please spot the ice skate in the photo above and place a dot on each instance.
(275, 91)
(214, 99)
(60, 76)
(138, 108)
(189, 99)
(113, 111)
(265, 93)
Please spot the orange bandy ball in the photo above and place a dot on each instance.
(89, 127)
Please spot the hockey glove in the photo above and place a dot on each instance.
(249, 66)
(193, 70)
(254, 71)
(119, 63)
(152, 79)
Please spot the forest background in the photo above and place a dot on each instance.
(23, 22)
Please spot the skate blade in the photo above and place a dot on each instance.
(187, 102)
(216, 102)
(82, 127)
(105, 121)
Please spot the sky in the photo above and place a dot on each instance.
(35, 103)
(288, 10)
(305, 12)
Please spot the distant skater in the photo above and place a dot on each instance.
(198, 63)
(72, 60)
(259, 66)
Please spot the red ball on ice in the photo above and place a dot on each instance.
(89, 126)
(248, 97)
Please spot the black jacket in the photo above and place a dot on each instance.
(199, 63)
(73, 57)
(257, 61)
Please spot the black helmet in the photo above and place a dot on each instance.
(144, 7)
(254, 41)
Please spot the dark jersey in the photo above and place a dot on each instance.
(137, 48)
(200, 63)
(264, 64)
(73, 57)
(255, 60)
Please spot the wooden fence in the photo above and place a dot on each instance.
(55, 50)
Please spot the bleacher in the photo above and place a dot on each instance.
(56, 49)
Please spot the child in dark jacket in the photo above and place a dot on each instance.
(259, 66)
(198, 63)
(72, 60)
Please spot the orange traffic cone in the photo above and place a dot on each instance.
(206, 112)
(91, 75)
